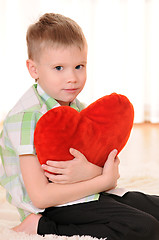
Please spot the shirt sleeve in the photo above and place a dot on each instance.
(20, 130)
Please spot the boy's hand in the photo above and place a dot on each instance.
(111, 169)
(76, 170)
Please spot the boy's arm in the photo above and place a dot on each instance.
(72, 171)
(44, 194)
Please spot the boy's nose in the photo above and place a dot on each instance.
(72, 78)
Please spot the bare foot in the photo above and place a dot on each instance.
(29, 225)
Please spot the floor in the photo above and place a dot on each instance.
(139, 160)
(144, 140)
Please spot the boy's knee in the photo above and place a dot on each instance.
(146, 228)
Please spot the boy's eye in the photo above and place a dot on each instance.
(78, 67)
(59, 68)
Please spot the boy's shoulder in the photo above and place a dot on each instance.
(30, 101)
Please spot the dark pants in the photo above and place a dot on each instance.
(135, 216)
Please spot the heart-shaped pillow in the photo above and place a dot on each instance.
(101, 127)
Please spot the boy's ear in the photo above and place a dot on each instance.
(32, 68)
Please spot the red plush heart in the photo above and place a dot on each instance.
(95, 131)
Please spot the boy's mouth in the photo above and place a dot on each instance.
(71, 90)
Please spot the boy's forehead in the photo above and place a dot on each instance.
(62, 52)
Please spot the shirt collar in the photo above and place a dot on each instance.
(51, 102)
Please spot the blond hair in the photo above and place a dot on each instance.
(53, 30)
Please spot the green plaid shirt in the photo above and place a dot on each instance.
(17, 139)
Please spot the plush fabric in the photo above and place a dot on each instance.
(101, 127)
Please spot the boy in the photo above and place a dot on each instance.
(57, 52)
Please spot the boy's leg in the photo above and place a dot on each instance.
(144, 202)
(109, 231)
(47, 226)
(108, 217)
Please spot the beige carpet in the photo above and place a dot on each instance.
(139, 171)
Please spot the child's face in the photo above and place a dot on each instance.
(62, 72)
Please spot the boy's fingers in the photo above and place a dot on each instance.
(75, 152)
(117, 159)
(112, 154)
(59, 178)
